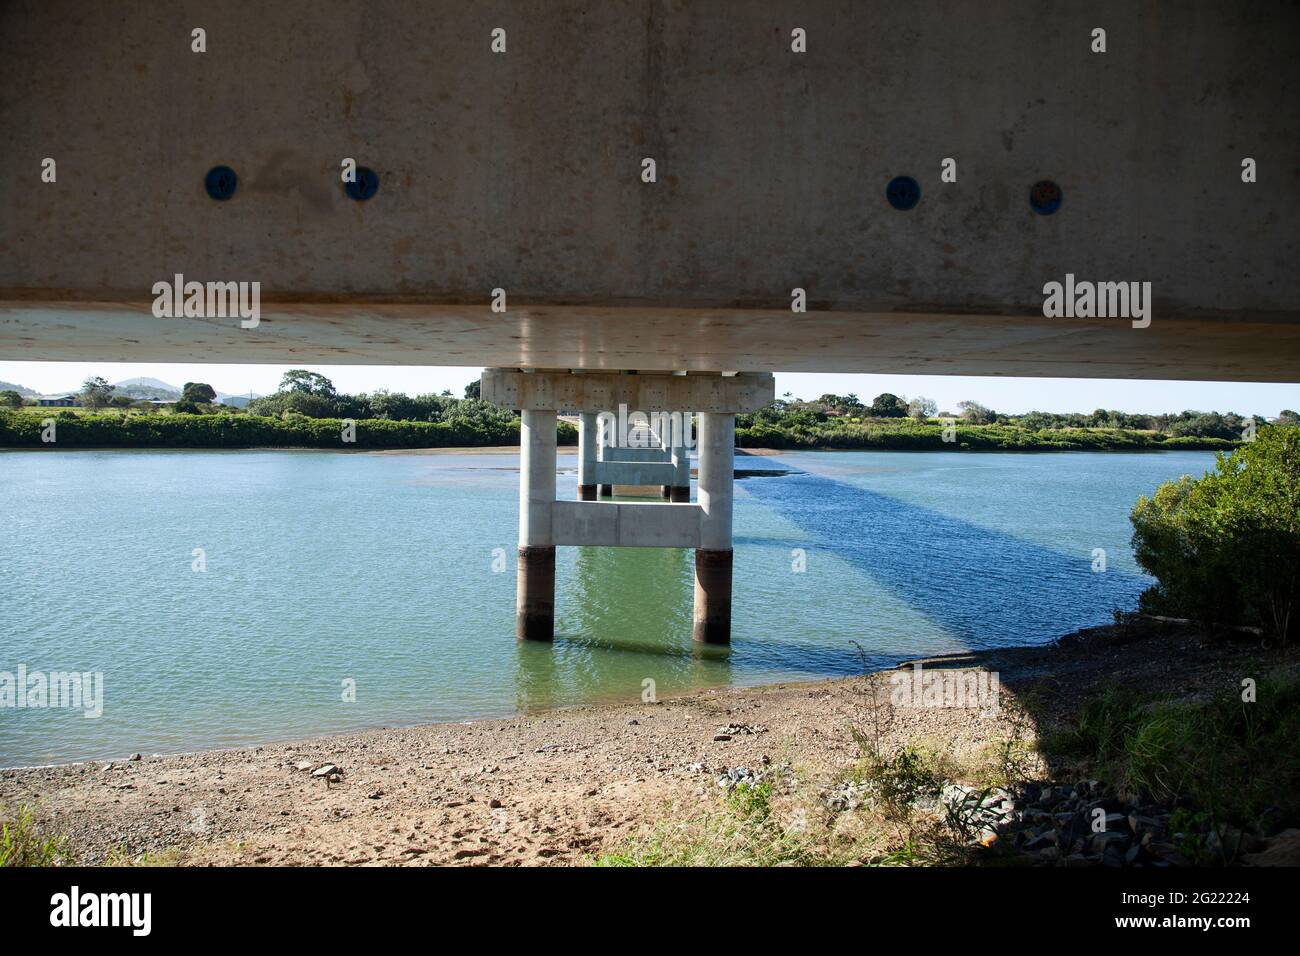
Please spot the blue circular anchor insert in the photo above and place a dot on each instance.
(903, 192)
(1045, 197)
(364, 186)
(220, 182)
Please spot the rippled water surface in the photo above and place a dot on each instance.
(379, 568)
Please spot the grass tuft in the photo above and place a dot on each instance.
(25, 842)
(1233, 760)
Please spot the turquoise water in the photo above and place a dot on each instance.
(384, 569)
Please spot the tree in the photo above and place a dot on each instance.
(977, 414)
(840, 404)
(888, 405)
(1288, 417)
(1207, 425)
(922, 408)
(96, 393)
(198, 392)
(1225, 548)
(397, 406)
(308, 383)
(473, 389)
(11, 399)
(300, 403)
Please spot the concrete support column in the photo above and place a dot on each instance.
(681, 458)
(665, 446)
(535, 588)
(602, 490)
(588, 455)
(713, 558)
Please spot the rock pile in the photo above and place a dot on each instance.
(728, 778)
(1087, 824)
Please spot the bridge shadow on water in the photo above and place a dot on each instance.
(985, 588)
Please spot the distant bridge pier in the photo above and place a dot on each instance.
(588, 455)
(545, 523)
(680, 490)
(642, 458)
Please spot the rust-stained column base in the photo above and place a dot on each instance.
(607, 491)
(712, 617)
(535, 596)
(586, 492)
(681, 494)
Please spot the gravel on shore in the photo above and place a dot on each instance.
(563, 786)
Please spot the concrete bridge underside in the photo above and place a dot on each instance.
(522, 171)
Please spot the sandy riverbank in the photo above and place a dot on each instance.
(560, 787)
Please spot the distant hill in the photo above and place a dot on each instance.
(157, 389)
(150, 388)
(144, 387)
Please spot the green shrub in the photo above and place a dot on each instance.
(1225, 548)
(751, 801)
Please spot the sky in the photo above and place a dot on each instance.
(1010, 395)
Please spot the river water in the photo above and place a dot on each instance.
(392, 574)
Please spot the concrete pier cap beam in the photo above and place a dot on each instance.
(645, 392)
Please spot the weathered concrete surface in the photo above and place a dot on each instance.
(521, 171)
(614, 524)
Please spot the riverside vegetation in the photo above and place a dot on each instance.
(308, 412)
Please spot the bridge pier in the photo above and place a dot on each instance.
(711, 620)
(535, 581)
(545, 523)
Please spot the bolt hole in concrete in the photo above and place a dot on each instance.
(903, 192)
(364, 186)
(1045, 197)
(220, 182)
